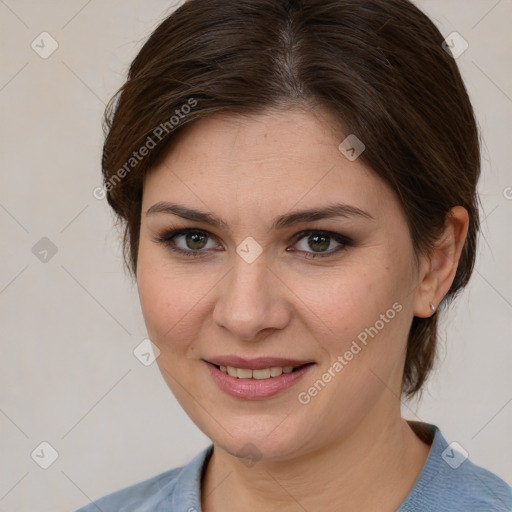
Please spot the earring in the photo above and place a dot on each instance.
(432, 307)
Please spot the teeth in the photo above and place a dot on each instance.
(261, 374)
(243, 374)
(266, 373)
(275, 371)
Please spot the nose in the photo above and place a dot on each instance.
(251, 299)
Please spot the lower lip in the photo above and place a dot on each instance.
(255, 389)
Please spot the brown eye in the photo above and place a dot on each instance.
(195, 241)
(321, 243)
(189, 242)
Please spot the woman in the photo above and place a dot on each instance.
(298, 182)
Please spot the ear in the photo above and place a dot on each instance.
(437, 269)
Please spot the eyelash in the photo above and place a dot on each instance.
(168, 237)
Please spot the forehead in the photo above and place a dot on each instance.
(280, 159)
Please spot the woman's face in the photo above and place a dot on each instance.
(336, 290)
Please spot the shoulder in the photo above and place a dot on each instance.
(486, 489)
(473, 488)
(450, 482)
(135, 497)
(160, 492)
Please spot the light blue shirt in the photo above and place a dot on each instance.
(448, 482)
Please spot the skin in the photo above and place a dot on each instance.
(350, 438)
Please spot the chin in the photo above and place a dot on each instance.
(259, 440)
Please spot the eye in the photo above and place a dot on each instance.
(190, 242)
(197, 243)
(322, 243)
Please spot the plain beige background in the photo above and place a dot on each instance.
(69, 325)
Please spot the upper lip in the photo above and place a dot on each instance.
(257, 363)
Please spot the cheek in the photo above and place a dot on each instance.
(348, 301)
(363, 312)
(169, 299)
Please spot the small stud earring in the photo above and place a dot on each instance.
(432, 307)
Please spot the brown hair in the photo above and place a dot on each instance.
(378, 65)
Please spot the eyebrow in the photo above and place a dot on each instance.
(281, 222)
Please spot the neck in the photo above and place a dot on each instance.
(372, 468)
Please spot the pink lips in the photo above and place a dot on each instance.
(256, 389)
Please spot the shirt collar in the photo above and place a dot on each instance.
(187, 491)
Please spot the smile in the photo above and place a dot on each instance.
(257, 384)
(265, 373)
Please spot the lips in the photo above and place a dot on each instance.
(258, 363)
(258, 387)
